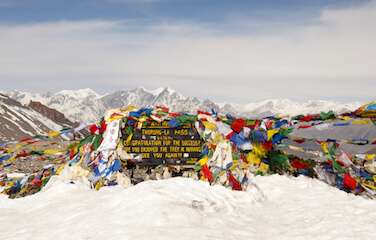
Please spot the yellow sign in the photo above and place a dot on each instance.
(161, 144)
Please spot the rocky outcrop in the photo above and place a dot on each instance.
(51, 113)
(18, 121)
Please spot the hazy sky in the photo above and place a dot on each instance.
(238, 51)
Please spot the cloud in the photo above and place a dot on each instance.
(333, 58)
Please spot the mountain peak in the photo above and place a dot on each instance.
(79, 93)
(169, 90)
(159, 91)
(87, 106)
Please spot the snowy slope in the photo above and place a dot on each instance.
(77, 105)
(17, 120)
(73, 103)
(142, 97)
(288, 107)
(179, 208)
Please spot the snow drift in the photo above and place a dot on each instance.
(181, 208)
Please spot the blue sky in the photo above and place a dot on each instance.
(202, 11)
(238, 51)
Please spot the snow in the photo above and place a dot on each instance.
(179, 208)
(73, 102)
(46, 121)
(159, 90)
(26, 121)
(26, 97)
(16, 175)
(292, 108)
(79, 93)
(19, 127)
(154, 92)
(29, 116)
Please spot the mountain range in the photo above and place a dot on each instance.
(17, 120)
(86, 105)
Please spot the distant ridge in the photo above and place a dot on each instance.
(86, 105)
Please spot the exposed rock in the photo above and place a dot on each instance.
(18, 121)
(51, 113)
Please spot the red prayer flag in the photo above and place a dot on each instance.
(237, 125)
(229, 136)
(206, 172)
(305, 126)
(93, 128)
(36, 182)
(103, 127)
(203, 112)
(349, 182)
(268, 145)
(235, 184)
(295, 163)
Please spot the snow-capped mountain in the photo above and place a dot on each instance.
(17, 120)
(78, 105)
(291, 108)
(88, 106)
(143, 97)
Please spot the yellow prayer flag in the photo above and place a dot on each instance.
(324, 147)
(98, 185)
(253, 159)
(129, 138)
(370, 157)
(259, 150)
(114, 117)
(271, 133)
(361, 121)
(52, 151)
(203, 161)
(368, 186)
(345, 118)
(210, 126)
(263, 168)
(53, 134)
(60, 169)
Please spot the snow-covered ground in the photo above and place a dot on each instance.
(178, 208)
